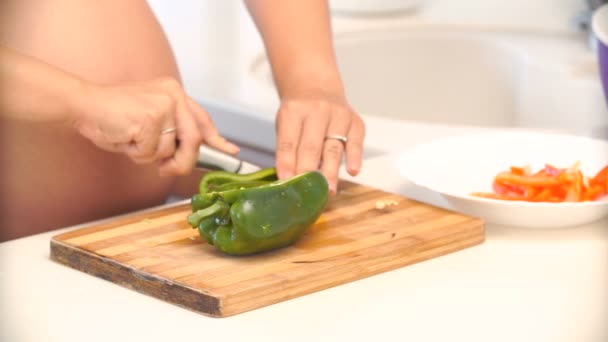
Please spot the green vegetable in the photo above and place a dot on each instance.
(253, 213)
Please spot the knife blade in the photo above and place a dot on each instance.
(213, 159)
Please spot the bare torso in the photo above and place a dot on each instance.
(50, 176)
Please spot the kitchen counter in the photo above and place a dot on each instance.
(520, 285)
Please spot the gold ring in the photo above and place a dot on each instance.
(338, 137)
(168, 130)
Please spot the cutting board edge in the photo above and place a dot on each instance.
(134, 279)
(209, 304)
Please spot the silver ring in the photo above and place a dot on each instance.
(338, 137)
(168, 130)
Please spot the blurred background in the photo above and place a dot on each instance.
(516, 63)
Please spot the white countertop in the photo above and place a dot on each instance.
(520, 285)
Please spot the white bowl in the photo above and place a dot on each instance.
(457, 166)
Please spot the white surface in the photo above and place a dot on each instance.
(520, 285)
(457, 166)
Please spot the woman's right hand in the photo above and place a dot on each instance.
(130, 119)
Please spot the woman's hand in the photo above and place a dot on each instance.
(298, 40)
(304, 124)
(145, 120)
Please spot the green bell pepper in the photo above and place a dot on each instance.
(253, 213)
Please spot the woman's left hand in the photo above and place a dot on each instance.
(315, 124)
(314, 131)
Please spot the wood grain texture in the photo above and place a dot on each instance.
(157, 253)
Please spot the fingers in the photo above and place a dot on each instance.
(166, 145)
(302, 144)
(150, 143)
(194, 126)
(311, 143)
(288, 137)
(208, 130)
(333, 149)
(145, 121)
(354, 147)
(189, 136)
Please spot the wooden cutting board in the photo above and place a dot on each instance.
(157, 253)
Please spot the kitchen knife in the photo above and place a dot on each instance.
(212, 159)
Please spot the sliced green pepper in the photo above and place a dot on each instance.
(214, 179)
(253, 213)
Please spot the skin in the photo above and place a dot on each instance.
(83, 104)
(313, 103)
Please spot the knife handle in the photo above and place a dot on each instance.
(212, 159)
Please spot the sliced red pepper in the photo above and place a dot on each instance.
(549, 184)
(601, 178)
(509, 178)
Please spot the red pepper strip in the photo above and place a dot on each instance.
(499, 196)
(543, 195)
(540, 198)
(593, 193)
(509, 178)
(520, 171)
(532, 192)
(601, 178)
(507, 189)
(575, 192)
(549, 184)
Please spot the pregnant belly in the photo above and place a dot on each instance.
(51, 177)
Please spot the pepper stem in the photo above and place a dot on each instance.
(219, 208)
